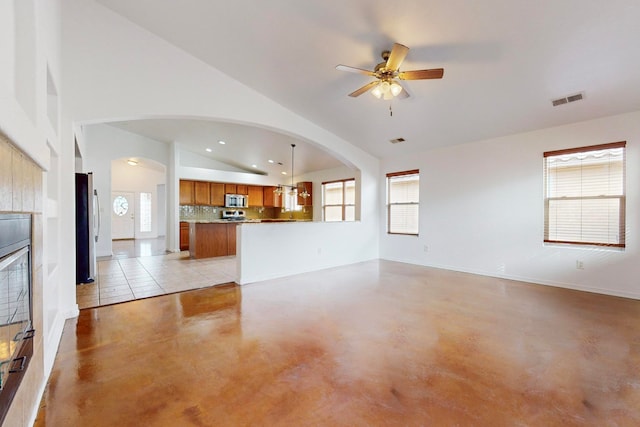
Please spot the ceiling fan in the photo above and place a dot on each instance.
(388, 72)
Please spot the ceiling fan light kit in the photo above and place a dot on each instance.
(387, 72)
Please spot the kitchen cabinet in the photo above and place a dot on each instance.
(306, 185)
(256, 195)
(184, 236)
(230, 189)
(212, 239)
(231, 239)
(187, 194)
(201, 192)
(242, 189)
(271, 199)
(216, 194)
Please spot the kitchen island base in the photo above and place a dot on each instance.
(212, 239)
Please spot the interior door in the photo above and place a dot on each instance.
(123, 219)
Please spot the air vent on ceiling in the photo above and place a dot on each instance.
(396, 140)
(566, 100)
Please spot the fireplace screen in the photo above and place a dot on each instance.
(16, 333)
(14, 309)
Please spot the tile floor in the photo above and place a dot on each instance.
(131, 275)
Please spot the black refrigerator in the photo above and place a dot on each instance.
(87, 228)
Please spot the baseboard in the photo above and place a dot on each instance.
(532, 280)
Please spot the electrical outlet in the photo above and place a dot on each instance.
(319, 251)
(579, 264)
(426, 248)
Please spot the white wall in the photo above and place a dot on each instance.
(103, 144)
(189, 159)
(481, 210)
(272, 250)
(318, 177)
(268, 251)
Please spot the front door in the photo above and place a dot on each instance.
(123, 220)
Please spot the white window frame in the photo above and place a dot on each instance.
(343, 205)
(390, 177)
(587, 218)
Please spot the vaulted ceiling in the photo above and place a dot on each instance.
(504, 61)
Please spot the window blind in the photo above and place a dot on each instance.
(339, 200)
(403, 202)
(585, 195)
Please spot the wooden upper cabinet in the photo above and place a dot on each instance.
(306, 185)
(271, 199)
(201, 193)
(243, 189)
(230, 189)
(187, 193)
(256, 195)
(216, 193)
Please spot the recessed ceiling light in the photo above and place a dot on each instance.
(221, 142)
(132, 162)
(270, 161)
(208, 150)
(283, 173)
(254, 166)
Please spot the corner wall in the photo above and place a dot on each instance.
(482, 210)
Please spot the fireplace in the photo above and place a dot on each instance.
(16, 333)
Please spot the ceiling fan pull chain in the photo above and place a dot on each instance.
(390, 110)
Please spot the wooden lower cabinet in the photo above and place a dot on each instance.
(212, 239)
(184, 236)
(231, 239)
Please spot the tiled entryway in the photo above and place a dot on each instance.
(126, 279)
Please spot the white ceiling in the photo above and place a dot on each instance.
(244, 146)
(504, 61)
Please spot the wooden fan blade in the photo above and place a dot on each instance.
(435, 73)
(354, 70)
(363, 89)
(396, 57)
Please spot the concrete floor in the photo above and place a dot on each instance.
(371, 344)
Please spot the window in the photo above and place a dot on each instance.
(402, 202)
(339, 200)
(145, 212)
(585, 195)
(120, 205)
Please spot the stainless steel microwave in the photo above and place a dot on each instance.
(236, 201)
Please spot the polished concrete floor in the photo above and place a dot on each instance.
(142, 268)
(371, 344)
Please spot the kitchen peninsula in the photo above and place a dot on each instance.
(208, 228)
